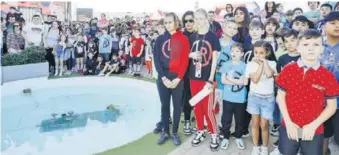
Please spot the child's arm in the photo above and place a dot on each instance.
(255, 77)
(224, 80)
(240, 81)
(142, 48)
(268, 71)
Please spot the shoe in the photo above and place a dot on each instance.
(221, 136)
(170, 120)
(245, 134)
(214, 145)
(56, 72)
(187, 128)
(275, 152)
(60, 73)
(158, 128)
(255, 150)
(328, 152)
(240, 143)
(224, 144)
(194, 129)
(101, 74)
(206, 130)
(275, 130)
(163, 138)
(232, 135)
(176, 139)
(276, 143)
(199, 137)
(264, 150)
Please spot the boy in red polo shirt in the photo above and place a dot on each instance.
(137, 46)
(304, 89)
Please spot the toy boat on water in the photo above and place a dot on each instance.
(71, 120)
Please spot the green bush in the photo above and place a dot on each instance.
(27, 56)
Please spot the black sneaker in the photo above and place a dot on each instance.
(275, 130)
(245, 133)
(214, 145)
(176, 139)
(276, 143)
(163, 138)
(187, 128)
(232, 135)
(158, 128)
(199, 137)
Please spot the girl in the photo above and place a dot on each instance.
(270, 26)
(270, 8)
(92, 49)
(242, 18)
(171, 60)
(204, 47)
(261, 99)
(229, 8)
(148, 57)
(59, 55)
(80, 53)
(81, 32)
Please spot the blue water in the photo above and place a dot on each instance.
(21, 113)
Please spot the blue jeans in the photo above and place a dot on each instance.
(262, 105)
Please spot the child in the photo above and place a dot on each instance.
(329, 59)
(230, 29)
(313, 15)
(271, 25)
(137, 46)
(297, 12)
(68, 58)
(309, 83)
(301, 23)
(100, 65)
(256, 30)
(261, 72)
(234, 96)
(90, 65)
(325, 9)
(105, 45)
(59, 54)
(123, 59)
(111, 67)
(279, 38)
(289, 18)
(80, 54)
(148, 57)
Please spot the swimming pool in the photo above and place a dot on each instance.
(21, 114)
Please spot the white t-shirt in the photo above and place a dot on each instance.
(34, 33)
(265, 86)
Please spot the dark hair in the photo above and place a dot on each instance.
(246, 21)
(161, 22)
(256, 24)
(175, 19)
(318, 3)
(277, 5)
(264, 44)
(336, 5)
(289, 33)
(309, 34)
(296, 9)
(187, 13)
(35, 16)
(229, 15)
(327, 5)
(289, 13)
(211, 12)
(274, 7)
(238, 45)
(274, 22)
(255, 16)
(303, 19)
(230, 6)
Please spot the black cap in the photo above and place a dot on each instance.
(334, 15)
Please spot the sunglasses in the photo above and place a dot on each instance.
(190, 20)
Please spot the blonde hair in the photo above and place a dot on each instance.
(203, 12)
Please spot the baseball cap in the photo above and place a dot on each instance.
(334, 15)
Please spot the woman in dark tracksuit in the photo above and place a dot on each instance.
(171, 61)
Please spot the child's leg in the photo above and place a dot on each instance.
(196, 87)
(239, 113)
(286, 145)
(139, 65)
(267, 106)
(148, 67)
(78, 64)
(264, 131)
(219, 102)
(208, 103)
(255, 129)
(104, 70)
(56, 66)
(335, 122)
(81, 63)
(226, 119)
(313, 147)
(61, 66)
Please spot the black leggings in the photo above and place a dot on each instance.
(187, 108)
(165, 95)
(50, 57)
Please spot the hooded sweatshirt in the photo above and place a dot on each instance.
(171, 54)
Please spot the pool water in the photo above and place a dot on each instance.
(21, 115)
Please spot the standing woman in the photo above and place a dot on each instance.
(242, 18)
(229, 8)
(188, 20)
(171, 60)
(203, 55)
(270, 8)
(50, 41)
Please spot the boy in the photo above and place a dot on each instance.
(325, 9)
(112, 66)
(105, 45)
(308, 83)
(301, 23)
(90, 65)
(289, 18)
(290, 39)
(137, 47)
(329, 59)
(234, 96)
(313, 15)
(279, 38)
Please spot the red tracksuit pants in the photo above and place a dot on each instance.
(204, 109)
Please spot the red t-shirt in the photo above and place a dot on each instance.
(136, 45)
(306, 93)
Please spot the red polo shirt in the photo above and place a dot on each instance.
(137, 43)
(306, 92)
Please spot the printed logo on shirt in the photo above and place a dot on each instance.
(236, 75)
(318, 87)
(105, 43)
(205, 50)
(172, 48)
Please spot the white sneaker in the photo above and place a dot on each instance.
(101, 74)
(264, 150)
(56, 72)
(240, 143)
(275, 152)
(60, 74)
(256, 150)
(224, 144)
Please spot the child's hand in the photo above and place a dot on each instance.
(292, 130)
(308, 132)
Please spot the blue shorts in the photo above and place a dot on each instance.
(261, 105)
